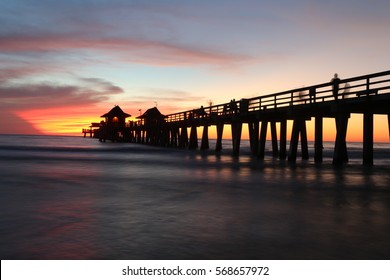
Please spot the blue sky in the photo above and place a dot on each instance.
(63, 57)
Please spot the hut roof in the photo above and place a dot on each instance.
(152, 113)
(115, 112)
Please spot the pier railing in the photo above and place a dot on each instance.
(356, 87)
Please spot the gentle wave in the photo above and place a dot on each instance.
(75, 198)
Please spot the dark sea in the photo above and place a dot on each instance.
(76, 198)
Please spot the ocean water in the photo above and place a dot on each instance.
(76, 198)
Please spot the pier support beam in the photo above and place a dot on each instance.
(174, 136)
(253, 128)
(218, 146)
(318, 139)
(263, 135)
(340, 154)
(236, 137)
(193, 139)
(388, 123)
(274, 137)
(138, 136)
(368, 138)
(304, 146)
(166, 137)
(292, 154)
(205, 138)
(299, 128)
(283, 139)
(183, 141)
(263, 139)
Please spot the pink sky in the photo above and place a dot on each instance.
(63, 67)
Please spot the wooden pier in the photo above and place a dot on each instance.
(91, 130)
(367, 95)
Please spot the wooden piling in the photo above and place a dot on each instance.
(173, 138)
(283, 139)
(193, 138)
(304, 146)
(318, 139)
(274, 137)
(138, 135)
(340, 154)
(299, 128)
(388, 123)
(183, 141)
(236, 137)
(218, 146)
(262, 140)
(292, 154)
(205, 138)
(253, 129)
(368, 138)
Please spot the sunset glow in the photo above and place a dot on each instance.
(62, 68)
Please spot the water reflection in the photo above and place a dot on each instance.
(167, 204)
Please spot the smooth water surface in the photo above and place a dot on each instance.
(75, 198)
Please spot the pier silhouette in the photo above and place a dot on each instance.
(338, 99)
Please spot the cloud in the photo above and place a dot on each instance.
(172, 34)
(167, 100)
(131, 50)
(165, 97)
(45, 95)
(11, 73)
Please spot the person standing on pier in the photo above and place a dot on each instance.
(336, 83)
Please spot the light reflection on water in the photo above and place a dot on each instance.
(139, 202)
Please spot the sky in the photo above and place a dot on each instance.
(65, 63)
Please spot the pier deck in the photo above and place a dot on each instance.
(367, 95)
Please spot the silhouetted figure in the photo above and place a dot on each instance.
(346, 90)
(336, 83)
(244, 105)
(231, 107)
(301, 96)
(199, 113)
